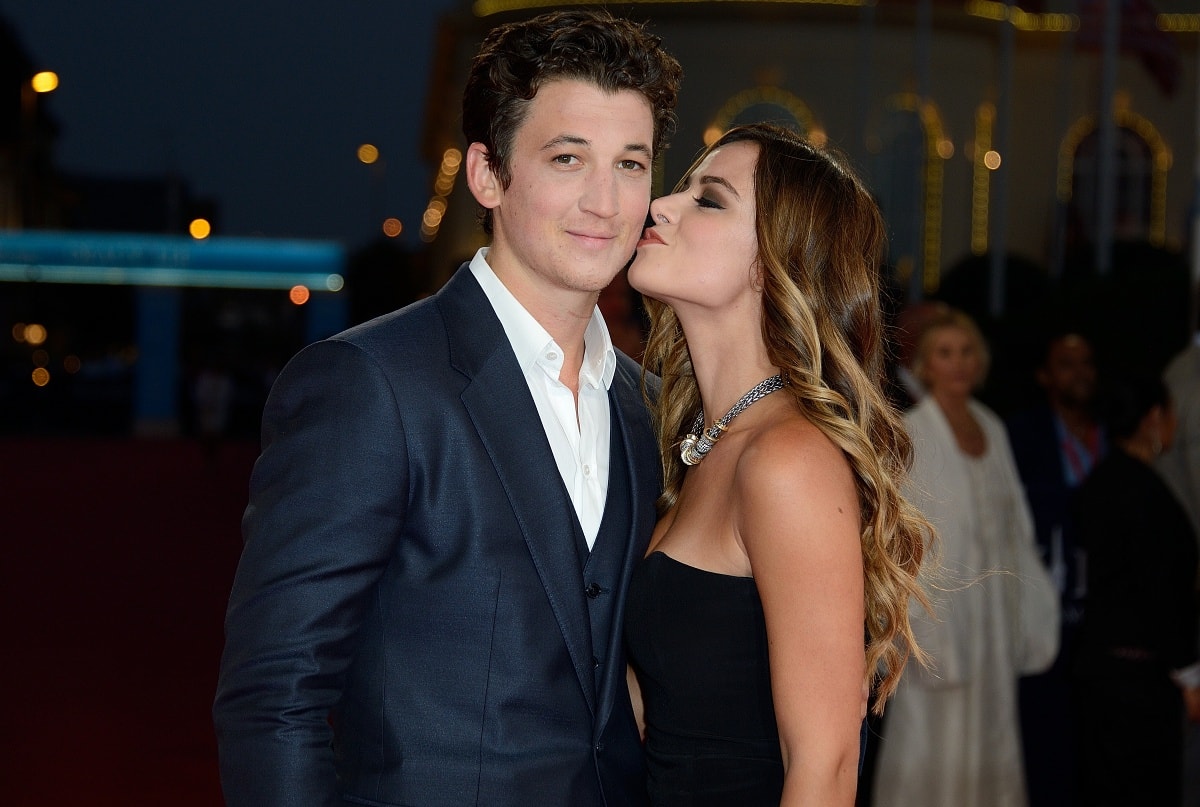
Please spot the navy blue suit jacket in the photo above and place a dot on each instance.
(408, 623)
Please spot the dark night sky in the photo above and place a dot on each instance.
(259, 105)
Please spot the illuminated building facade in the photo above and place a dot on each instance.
(974, 122)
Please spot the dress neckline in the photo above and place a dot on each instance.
(697, 569)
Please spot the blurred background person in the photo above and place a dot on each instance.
(952, 734)
(904, 388)
(1137, 652)
(1180, 462)
(1056, 444)
(212, 393)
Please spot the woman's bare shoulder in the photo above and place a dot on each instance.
(790, 448)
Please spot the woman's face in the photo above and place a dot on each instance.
(702, 247)
(952, 362)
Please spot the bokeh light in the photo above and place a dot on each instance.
(45, 81)
(992, 159)
(392, 227)
(368, 154)
(35, 334)
(200, 228)
(40, 358)
(299, 295)
(41, 376)
(72, 364)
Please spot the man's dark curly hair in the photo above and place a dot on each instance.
(517, 58)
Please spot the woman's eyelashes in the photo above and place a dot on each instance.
(706, 201)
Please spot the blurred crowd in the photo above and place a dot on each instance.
(1064, 632)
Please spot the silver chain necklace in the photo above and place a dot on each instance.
(693, 448)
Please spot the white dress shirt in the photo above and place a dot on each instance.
(579, 437)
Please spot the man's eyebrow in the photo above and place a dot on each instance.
(576, 140)
(563, 140)
(708, 179)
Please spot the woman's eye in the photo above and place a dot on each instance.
(704, 201)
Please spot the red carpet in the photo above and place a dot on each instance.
(118, 557)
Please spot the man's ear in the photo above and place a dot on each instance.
(481, 179)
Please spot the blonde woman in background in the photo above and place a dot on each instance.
(952, 735)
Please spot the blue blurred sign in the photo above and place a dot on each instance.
(171, 261)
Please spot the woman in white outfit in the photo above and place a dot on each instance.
(951, 737)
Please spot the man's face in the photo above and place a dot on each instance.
(581, 171)
(1069, 375)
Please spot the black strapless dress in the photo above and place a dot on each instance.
(698, 642)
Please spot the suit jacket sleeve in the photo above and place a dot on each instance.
(326, 502)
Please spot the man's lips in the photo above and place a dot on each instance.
(595, 239)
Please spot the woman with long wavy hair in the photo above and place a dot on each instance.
(784, 538)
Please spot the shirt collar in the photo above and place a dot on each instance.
(529, 339)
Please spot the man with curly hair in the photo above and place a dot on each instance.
(450, 498)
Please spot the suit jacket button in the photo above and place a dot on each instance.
(593, 591)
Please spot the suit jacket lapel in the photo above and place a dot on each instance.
(508, 424)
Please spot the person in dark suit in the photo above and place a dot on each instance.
(1055, 445)
(450, 498)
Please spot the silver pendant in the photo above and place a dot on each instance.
(687, 451)
(693, 448)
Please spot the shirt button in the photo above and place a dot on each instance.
(593, 591)
(552, 356)
(587, 470)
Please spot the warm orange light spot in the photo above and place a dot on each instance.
(200, 228)
(45, 81)
(41, 376)
(299, 295)
(35, 334)
(18, 332)
(72, 364)
(945, 149)
(368, 154)
(392, 227)
(992, 160)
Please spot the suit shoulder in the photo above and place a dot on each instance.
(414, 318)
